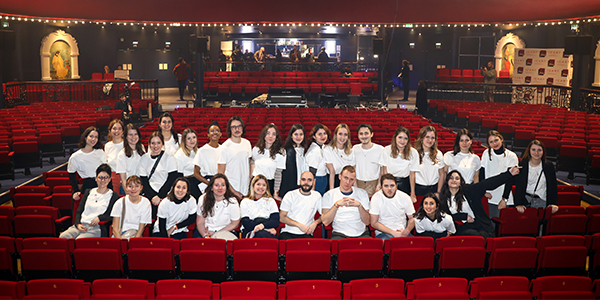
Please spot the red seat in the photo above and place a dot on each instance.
(12, 290)
(311, 289)
(500, 287)
(437, 288)
(186, 289)
(461, 256)
(512, 256)
(35, 221)
(57, 289)
(307, 259)
(160, 251)
(45, 258)
(99, 258)
(374, 288)
(410, 257)
(248, 290)
(511, 222)
(255, 258)
(562, 287)
(122, 289)
(358, 258)
(214, 265)
(561, 255)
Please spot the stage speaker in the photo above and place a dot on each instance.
(200, 44)
(377, 46)
(578, 44)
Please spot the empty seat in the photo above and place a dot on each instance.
(45, 258)
(437, 288)
(512, 256)
(212, 267)
(410, 257)
(310, 289)
(562, 287)
(307, 259)
(462, 256)
(159, 251)
(511, 222)
(248, 290)
(37, 221)
(255, 258)
(561, 255)
(12, 290)
(98, 258)
(122, 289)
(374, 288)
(500, 287)
(358, 258)
(186, 289)
(57, 289)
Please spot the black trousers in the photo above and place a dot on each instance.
(181, 88)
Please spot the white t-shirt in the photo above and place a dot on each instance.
(171, 146)
(426, 224)
(185, 164)
(207, 159)
(135, 214)
(261, 208)
(95, 205)
(300, 208)
(314, 159)
(498, 165)
(301, 164)
(265, 165)
(466, 208)
(532, 179)
(393, 211)
(112, 150)
(465, 163)
(175, 213)
(224, 212)
(128, 165)
(367, 162)
(338, 158)
(399, 167)
(166, 165)
(85, 164)
(347, 219)
(428, 171)
(236, 158)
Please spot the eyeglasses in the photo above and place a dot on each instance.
(103, 177)
(237, 127)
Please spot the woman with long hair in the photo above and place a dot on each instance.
(295, 161)
(259, 212)
(218, 209)
(85, 161)
(268, 158)
(129, 158)
(131, 213)
(430, 177)
(463, 201)
(314, 157)
(402, 161)
(166, 126)
(206, 162)
(176, 212)
(185, 159)
(495, 160)
(338, 154)
(536, 185)
(431, 221)
(113, 146)
(462, 158)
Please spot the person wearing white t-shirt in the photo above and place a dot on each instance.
(430, 177)
(176, 212)
(85, 161)
(158, 171)
(298, 208)
(218, 209)
(171, 139)
(206, 162)
(259, 212)
(401, 160)
(431, 221)
(462, 158)
(495, 160)
(95, 207)
(338, 154)
(234, 160)
(138, 211)
(268, 158)
(367, 155)
(129, 158)
(314, 157)
(346, 208)
(391, 210)
(295, 159)
(185, 159)
(113, 146)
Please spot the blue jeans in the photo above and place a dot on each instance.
(321, 183)
(385, 236)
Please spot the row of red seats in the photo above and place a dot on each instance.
(554, 287)
(286, 80)
(267, 73)
(468, 75)
(408, 258)
(247, 89)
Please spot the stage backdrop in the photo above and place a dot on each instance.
(542, 67)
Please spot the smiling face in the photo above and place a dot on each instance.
(155, 145)
(103, 179)
(454, 180)
(298, 137)
(180, 189)
(132, 138)
(389, 188)
(365, 135)
(260, 187)
(92, 138)
(429, 206)
(401, 140)
(214, 133)
(191, 140)
(116, 131)
(536, 152)
(133, 189)
(321, 136)
(342, 137)
(166, 124)
(495, 142)
(429, 140)
(465, 143)
(270, 137)
(236, 128)
(219, 187)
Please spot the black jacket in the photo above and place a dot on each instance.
(521, 183)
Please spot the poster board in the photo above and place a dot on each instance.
(534, 66)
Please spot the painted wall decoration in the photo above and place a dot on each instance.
(504, 53)
(60, 66)
(508, 57)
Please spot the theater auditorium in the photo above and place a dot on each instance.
(315, 150)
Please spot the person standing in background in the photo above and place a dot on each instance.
(489, 76)
(405, 76)
(322, 58)
(180, 72)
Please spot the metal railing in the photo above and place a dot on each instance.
(22, 93)
(290, 66)
(556, 96)
(590, 100)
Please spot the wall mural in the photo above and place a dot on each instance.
(59, 56)
(60, 66)
(508, 57)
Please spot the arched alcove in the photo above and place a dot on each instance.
(509, 43)
(597, 68)
(69, 62)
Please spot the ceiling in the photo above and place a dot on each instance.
(331, 11)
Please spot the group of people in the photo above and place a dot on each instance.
(301, 181)
(247, 61)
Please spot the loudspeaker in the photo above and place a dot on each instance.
(203, 44)
(578, 44)
(377, 46)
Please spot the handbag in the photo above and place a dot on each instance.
(531, 197)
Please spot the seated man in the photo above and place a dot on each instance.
(391, 210)
(298, 208)
(347, 207)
